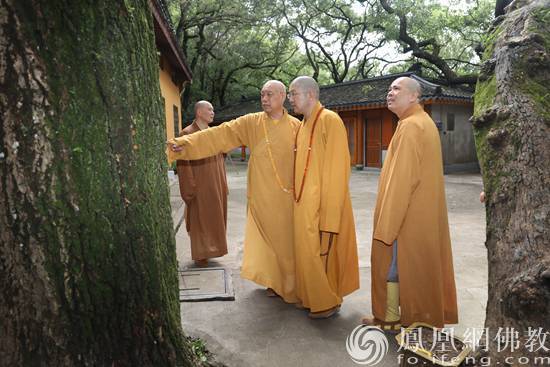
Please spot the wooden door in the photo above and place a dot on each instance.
(373, 142)
(350, 122)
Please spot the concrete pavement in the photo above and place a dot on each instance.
(255, 330)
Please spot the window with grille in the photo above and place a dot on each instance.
(450, 121)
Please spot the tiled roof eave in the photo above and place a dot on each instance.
(166, 28)
(446, 98)
(382, 103)
(348, 105)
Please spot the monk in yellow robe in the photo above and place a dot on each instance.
(324, 230)
(203, 187)
(268, 256)
(412, 267)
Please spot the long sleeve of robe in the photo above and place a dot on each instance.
(186, 177)
(335, 173)
(219, 139)
(325, 272)
(411, 208)
(187, 185)
(404, 168)
(203, 187)
(268, 256)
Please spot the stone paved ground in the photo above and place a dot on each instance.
(255, 330)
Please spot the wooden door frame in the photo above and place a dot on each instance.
(380, 121)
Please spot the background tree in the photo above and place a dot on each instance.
(87, 254)
(335, 36)
(512, 123)
(233, 47)
(440, 38)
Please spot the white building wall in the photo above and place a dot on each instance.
(458, 145)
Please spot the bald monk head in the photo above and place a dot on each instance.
(204, 113)
(273, 96)
(403, 93)
(303, 95)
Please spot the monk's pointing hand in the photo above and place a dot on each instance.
(174, 147)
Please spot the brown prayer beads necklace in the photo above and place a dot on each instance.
(279, 181)
(297, 199)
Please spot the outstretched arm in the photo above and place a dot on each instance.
(211, 141)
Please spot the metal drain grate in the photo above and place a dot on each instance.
(206, 284)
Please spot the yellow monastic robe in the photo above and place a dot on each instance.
(411, 208)
(324, 275)
(268, 257)
(203, 187)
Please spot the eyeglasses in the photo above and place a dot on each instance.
(293, 94)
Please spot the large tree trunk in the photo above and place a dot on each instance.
(87, 254)
(512, 121)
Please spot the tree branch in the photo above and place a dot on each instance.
(419, 51)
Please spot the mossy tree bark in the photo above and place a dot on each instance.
(87, 254)
(511, 124)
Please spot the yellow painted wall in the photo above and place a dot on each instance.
(171, 94)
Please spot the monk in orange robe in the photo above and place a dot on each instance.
(411, 260)
(203, 187)
(268, 255)
(327, 266)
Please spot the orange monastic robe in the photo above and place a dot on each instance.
(268, 256)
(411, 208)
(203, 187)
(324, 275)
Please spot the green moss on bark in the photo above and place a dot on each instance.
(540, 96)
(537, 86)
(541, 19)
(512, 140)
(484, 98)
(105, 220)
(484, 95)
(489, 43)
